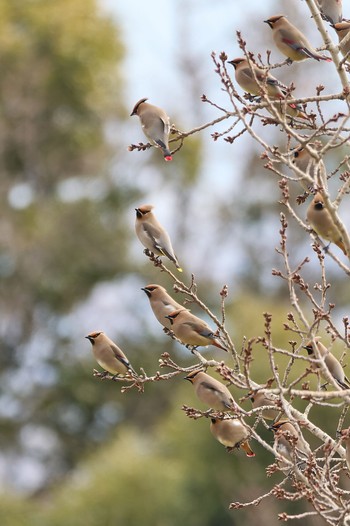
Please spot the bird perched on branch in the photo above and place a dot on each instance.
(331, 363)
(290, 41)
(152, 234)
(308, 164)
(343, 29)
(322, 222)
(210, 391)
(289, 445)
(108, 355)
(161, 303)
(191, 330)
(155, 125)
(232, 434)
(253, 79)
(259, 399)
(331, 10)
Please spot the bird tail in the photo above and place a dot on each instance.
(341, 245)
(165, 150)
(248, 450)
(217, 344)
(316, 56)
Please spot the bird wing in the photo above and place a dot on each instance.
(202, 331)
(216, 391)
(153, 234)
(119, 356)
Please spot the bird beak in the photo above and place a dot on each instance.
(89, 338)
(268, 22)
(138, 213)
(146, 291)
(170, 319)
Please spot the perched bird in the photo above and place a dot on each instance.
(210, 391)
(152, 235)
(155, 125)
(307, 164)
(332, 364)
(290, 41)
(331, 10)
(343, 29)
(259, 399)
(288, 444)
(108, 355)
(346, 438)
(252, 78)
(161, 303)
(321, 221)
(232, 434)
(191, 330)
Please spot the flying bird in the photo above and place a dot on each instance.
(210, 391)
(290, 41)
(161, 303)
(153, 235)
(191, 330)
(330, 361)
(155, 124)
(321, 221)
(232, 434)
(108, 355)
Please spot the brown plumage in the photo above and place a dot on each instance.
(232, 434)
(155, 125)
(210, 391)
(108, 355)
(161, 303)
(343, 29)
(290, 41)
(259, 399)
(321, 221)
(331, 363)
(289, 445)
(153, 235)
(331, 10)
(191, 330)
(308, 164)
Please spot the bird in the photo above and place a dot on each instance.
(289, 445)
(259, 399)
(252, 79)
(308, 164)
(108, 355)
(232, 434)
(345, 433)
(155, 124)
(210, 391)
(331, 10)
(321, 221)
(330, 361)
(342, 29)
(191, 330)
(161, 303)
(290, 41)
(152, 234)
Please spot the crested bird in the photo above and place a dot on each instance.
(322, 222)
(191, 330)
(161, 303)
(232, 434)
(155, 124)
(290, 41)
(153, 235)
(108, 355)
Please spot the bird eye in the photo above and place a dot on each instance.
(319, 205)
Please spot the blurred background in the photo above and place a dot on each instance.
(75, 450)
